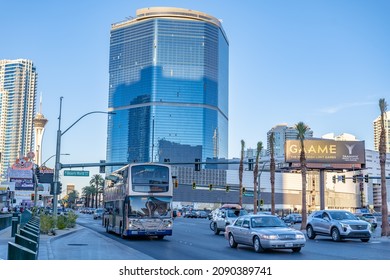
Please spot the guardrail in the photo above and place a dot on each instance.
(27, 234)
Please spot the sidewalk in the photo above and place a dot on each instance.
(79, 243)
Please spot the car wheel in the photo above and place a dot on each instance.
(212, 226)
(232, 242)
(310, 232)
(365, 239)
(296, 250)
(257, 245)
(216, 230)
(335, 234)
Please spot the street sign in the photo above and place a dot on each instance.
(76, 173)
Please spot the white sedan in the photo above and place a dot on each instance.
(264, 232)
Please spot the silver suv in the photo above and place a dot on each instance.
(225, 216)
(339, 224)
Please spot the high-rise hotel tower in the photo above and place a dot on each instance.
(168, 85)
(18, 86)
(377, 131)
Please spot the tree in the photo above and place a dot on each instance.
(271, 141)
(241, 171)
(255, 174)
(382, 161)
(301, 129)
(88, 194)
(97, 182)
(71, 198)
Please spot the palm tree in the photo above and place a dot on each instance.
(97, 181)
(241, 170)
(255, 174)
(382, 160)
(88, 193)
(272, 170)
(301, 129)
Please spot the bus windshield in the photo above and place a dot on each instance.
(149, 207)
(149, 178)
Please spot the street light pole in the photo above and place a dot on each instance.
(58, 165)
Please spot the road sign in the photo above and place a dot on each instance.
(76, 173)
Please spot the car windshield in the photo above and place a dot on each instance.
(341, 215)
(236, 213)
(270, 221)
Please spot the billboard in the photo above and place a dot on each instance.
(326, 151)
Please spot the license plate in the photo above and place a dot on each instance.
(288, 245)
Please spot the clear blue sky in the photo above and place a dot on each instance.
(324, 62)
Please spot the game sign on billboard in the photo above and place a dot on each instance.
(326, 151)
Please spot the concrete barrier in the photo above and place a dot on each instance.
(27, 243)
(18, 252)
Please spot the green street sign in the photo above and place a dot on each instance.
(76, 173)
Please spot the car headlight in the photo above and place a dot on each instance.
(299, 236)
(345, 226)
(269, 236)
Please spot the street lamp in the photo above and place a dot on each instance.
(43, 164)
(58, 166)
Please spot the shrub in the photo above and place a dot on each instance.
(46, 223)
(62, 222)
(72, 217)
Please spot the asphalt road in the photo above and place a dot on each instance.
(193, 240)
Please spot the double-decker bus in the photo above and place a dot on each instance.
(138, 200)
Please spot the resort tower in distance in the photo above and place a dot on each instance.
(168, 87)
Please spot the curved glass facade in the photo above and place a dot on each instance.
(168, 86)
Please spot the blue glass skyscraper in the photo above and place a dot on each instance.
(168, 85)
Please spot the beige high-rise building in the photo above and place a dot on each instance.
(377, 131)
(18, 86)
(70, 188)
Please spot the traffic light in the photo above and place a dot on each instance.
(210, 187)
(176, 184)
(354, 178)
(197, 164)
(194, 186)
(37, 174)
(343, 178)
(40, 197)
(59, 188)
(334, 179)
(102, 168)
(366, 178)
(227, 188)
(250, 164)
(32, 197)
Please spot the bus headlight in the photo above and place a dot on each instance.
(167, 223)
(135, 224)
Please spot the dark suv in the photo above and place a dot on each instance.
(338, 224)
